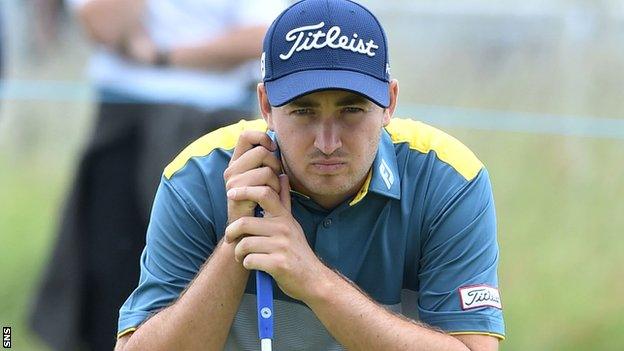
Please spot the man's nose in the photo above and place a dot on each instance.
(328, 138)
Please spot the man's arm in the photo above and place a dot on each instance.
(359, 323)
(241, 42)
(109, 22)
(117, 25)
(201, 318)
(122, 341)
(221, 53)
(227, 51)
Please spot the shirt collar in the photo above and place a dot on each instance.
(383, 177)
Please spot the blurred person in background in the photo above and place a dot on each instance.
(165, 72)
(49, 19)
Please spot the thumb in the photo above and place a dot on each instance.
(284, 191)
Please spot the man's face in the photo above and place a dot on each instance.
(328, 142)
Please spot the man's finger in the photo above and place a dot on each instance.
(258, 261)
(245, 226)
(259, 156)
(284, 192)
(262, 195)
(250, 139)
(255, 177)
(252, 244)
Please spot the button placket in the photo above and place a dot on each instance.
(327, 222)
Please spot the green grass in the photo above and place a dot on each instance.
(37, 157)
(28, 208)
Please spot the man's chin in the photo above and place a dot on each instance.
(331, 186)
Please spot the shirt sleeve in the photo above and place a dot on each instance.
(458, 284)
(177, 244)
(254, 12)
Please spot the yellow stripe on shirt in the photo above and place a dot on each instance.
(424, 138)
(223, 138)
(498, 336)
(126, 332)
(363, 190)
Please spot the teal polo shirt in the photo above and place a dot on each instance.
(419, 237)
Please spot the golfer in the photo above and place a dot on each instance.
(379, 233)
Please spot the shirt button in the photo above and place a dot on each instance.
(327, 222)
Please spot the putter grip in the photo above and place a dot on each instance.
(264, 297)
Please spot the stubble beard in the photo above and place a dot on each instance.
(331, 185)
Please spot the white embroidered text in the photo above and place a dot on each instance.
(304, 39)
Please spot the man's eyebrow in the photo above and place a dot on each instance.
(303, 102)
(352, 99)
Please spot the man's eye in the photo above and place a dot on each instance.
(302, 111)
(352, 110)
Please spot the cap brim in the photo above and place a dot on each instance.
(285, 89)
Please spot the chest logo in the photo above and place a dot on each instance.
(386, 174)
(479, 296)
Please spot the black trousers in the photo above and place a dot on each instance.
(95, 261)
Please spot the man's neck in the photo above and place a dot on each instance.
(328, 202)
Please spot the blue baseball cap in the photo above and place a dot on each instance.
(318, 45)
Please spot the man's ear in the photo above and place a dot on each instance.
(265, 106)
(394, 96)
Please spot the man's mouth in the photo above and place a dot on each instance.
(329, 165)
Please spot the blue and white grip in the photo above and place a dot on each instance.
(264, 298)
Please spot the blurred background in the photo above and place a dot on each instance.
(535, 88)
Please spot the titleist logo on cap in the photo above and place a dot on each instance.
(305, 39)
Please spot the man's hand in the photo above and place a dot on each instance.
(253, 164)
(276, 243)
